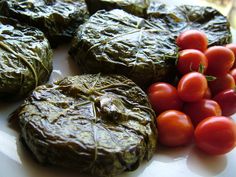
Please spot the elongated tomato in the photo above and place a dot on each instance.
(232, 47)
(227, 101)
(220, 60)
(202, 109)
(175, 128)
(164, 96)
(190, 60)
(192, 39)
(216, 135)
(221, 83)
(192, 87)
(233, 73)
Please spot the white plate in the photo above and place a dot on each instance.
(16, 161)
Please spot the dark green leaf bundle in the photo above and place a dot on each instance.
(97, 124)
(176, 19)
(121, 43)
(180, 18)
(25, 59)
(58, 19)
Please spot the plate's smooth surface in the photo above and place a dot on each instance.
(16, 160)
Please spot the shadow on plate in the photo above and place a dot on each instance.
(63, 64)
(205, 165)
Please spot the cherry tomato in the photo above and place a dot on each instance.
(221, 83)
(202, 109)
(207, 94)
(164, 96)
(220, 60)
(192, 39)
(233, 73)
(175, 128)
(192, 87)
(227, 101)
(232, 47)
(215, 135)
(190, 60)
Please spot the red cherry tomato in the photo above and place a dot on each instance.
(175, 128)
(232, 47)
(202, 109)
(227, 101)
(221, 83)
(190, 60)
(164, 96)
(192, 87)
(207, 94)
(215, 135)
(192, 39)
(233, 73)
(220, 60)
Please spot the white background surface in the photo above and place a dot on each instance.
(16, 161)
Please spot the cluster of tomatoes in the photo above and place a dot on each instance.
(205, 96)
